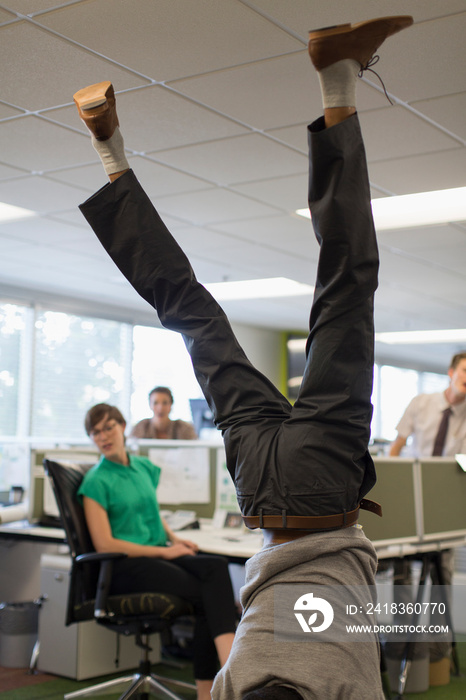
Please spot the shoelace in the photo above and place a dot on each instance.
(371, 62)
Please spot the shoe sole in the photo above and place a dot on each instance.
(356, 41)
(93, 96)
(398, 23)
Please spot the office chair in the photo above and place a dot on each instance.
(138, 614)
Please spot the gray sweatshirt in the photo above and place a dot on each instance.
(318, 671)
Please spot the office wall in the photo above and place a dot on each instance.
(263, 348)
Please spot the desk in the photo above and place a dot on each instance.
(234, 543)
(237, 544)
(24, 530)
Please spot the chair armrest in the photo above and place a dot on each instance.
(106, 560)
(99, 556)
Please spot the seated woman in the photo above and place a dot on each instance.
(160, 426)
(122, 513)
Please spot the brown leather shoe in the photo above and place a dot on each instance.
(96, 107)
(357, 41)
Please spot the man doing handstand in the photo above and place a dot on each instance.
(301, 472)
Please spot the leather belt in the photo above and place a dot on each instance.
(311, 522)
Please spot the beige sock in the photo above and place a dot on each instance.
(338, 83)
(112, 153)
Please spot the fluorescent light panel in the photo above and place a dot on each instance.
(457, 335)
(258, 289)
(10, 213)
(420, 209)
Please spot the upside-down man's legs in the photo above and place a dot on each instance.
(310, 461)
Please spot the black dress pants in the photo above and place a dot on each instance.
(309, 459)
(203, 580)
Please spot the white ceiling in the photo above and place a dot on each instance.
(213, 98)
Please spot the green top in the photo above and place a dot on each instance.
(128, 494)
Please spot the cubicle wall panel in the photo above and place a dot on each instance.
(443, 497)
(395, 492)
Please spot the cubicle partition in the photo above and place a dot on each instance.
(193, 478)
(395, 491)
(443, 498)
(423, 503)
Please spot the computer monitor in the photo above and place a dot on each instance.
(202, 415)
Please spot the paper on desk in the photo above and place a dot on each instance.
(185, 476)
(226, 492)
(9, 514)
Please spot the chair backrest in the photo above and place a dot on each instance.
(66, 478)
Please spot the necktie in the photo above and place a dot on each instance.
(439, 442)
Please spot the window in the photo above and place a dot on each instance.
(161, 359)
(13, 321)
(54, 366)
(398, 386)
(78, 362)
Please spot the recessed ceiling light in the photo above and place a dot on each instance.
(419, 209)
(258, 289)
(10, 213)
(413, 337)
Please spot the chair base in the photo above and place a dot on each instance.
(133, 685)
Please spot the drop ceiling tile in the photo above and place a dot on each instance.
(44, 146)
(422, 173)
(416, 74)
(6, 16)
(193, 239)
(294, 136)
(395, 132)
(286, 193)
(72, 216)
(279, 232)
(7, 172)
(23, 79)
(8, 243)
(211, 206)
(255, 261)
(40, 231)
(142, 34)
(85, 240)
(448, 111)
(240, 159)
(421, 276)
(423, 239)
(264, 95)
(157, 180)
(269, 94)
(259, 259)
(89, 178)
(6, 111)
(156, 118)
(421, 309)
(34, 7)
(442, 247)
(40, 195)
(301, 16)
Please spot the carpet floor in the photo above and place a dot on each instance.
(17, 684)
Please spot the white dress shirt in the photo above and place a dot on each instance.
(422, 419)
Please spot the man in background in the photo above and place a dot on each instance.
(437, 421)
